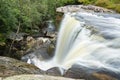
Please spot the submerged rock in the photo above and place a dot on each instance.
(55, 71)
(77, 72)
(9, 67)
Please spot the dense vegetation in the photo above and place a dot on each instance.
(26, 15)
(110, 4)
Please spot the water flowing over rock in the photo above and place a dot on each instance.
(55, 71)
(38, 50)
(82, 72)
(91, 41)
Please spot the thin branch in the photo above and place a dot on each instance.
(18, 29)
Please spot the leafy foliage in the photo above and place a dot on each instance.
(30, 14)
(103, 3)
(110, 4)
(84, 1)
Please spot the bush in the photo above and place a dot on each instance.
(117, 8)
(7, 17)
(84, 1)
(27, 14)
(110, 4)
(102, 3)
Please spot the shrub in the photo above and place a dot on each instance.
(28, 14)
(110, 4)
(84, 1)
(117, 8)
(102, 3)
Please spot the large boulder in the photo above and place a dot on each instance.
(9, 67)
(87, 73)
(37, 77)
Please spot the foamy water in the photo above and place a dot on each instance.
(86, 39)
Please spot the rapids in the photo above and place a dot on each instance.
(88, 39)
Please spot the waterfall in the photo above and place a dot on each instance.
(86, 39)
(70, 28)
(90, 40)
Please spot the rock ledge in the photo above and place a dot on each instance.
(83, 8)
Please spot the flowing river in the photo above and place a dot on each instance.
(87, 39)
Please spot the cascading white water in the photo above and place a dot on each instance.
(86, 39)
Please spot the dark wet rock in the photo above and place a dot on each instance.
(107, 74)
(55, 71)
(49, 31)
(39, 54)
(18, 45)
(36, 43)
(40, 48)
(50, 50)
(82, 72)
(99, 76)
(13, 49)
(9, 67)
(2, 48)
(78, 72)
(83, 8)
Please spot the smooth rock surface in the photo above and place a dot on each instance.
(55, 71)
(78, 72)
(37, 77)
(9, 67)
